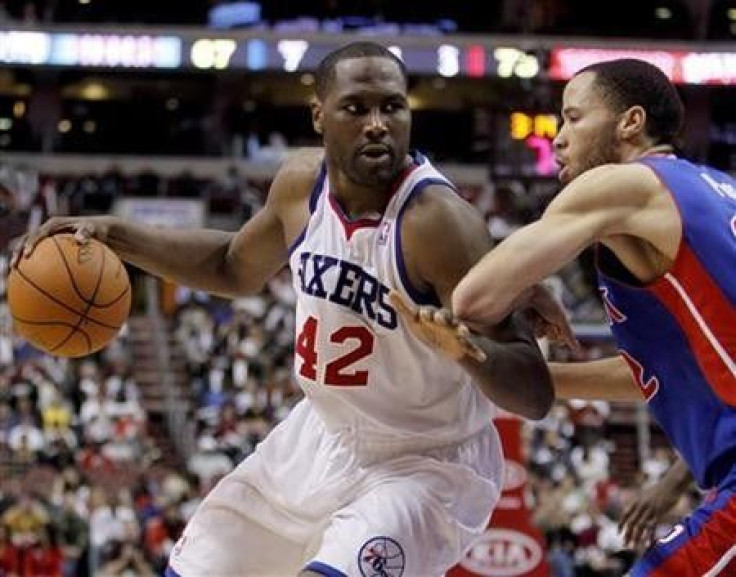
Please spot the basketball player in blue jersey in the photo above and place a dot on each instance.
(390, 466)
(665, 234)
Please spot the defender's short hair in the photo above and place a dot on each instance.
(630, 82)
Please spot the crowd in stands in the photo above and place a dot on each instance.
(575, 499)
(84, 490)
(80, 490)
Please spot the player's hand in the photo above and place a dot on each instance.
(549, 319)
(641, 517)
(82, 228)
(438, 328)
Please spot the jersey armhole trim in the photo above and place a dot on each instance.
(419, 297)
(313, 200)
(682, 247)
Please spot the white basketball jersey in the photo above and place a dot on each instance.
(355, 359)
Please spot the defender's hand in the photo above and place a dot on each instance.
(641, 517)
(549, 319)
(438, 328)
(83, 229)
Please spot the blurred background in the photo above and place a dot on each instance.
(178, 113)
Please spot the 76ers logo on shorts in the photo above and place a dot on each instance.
(381, 557)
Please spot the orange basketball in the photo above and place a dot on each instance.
(69, 299)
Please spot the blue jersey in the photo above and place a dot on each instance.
(678, 333)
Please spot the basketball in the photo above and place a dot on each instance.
(69, 299)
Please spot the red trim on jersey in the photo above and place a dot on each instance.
(717, 313)
(350, 226)
(703, 551)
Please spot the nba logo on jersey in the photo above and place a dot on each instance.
(383, 234)
(381, 557)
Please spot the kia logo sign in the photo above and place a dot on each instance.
(502, 553)
(514, 476)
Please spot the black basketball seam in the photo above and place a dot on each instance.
(69, 271)
(29, 322)
(113, 301)
(83, 317)
(61, 323)
(75, 329)
(60, 303)
(91, 315)
(79, 292)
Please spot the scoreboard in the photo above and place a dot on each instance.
(250, 52)
(446, 56)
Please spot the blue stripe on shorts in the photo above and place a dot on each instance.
(324, 569)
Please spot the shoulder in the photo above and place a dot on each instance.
(632, 185)
(297, 176)
(443, 236)
(436, 208)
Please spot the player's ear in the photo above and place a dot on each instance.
(633, 122)
(316, 107)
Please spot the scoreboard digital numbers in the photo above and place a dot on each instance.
(292, 55)
(221, 53)
(446, 56)
(523, 145)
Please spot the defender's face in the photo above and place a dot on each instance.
(588, 135)
(365, 120)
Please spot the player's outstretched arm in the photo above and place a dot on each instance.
(601, 380)
(442, 237)
(605, 201)
(224, 263)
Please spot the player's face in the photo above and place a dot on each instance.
(365, 120)
(588, 136)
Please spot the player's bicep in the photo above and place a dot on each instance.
(258, 250)
(604, 200)
(261, 247)
(574, 220)
(460, 238)
(597, 204)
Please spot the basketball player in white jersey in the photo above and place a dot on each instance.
(390, 466)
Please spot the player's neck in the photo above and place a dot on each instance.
(656, 150)
(361, 202)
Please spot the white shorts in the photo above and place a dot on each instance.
(335, 504)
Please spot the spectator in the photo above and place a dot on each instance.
(25, 519)
(9, 554)
(44, 558)
(92, 459)
(73, 535)
(124, 558)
